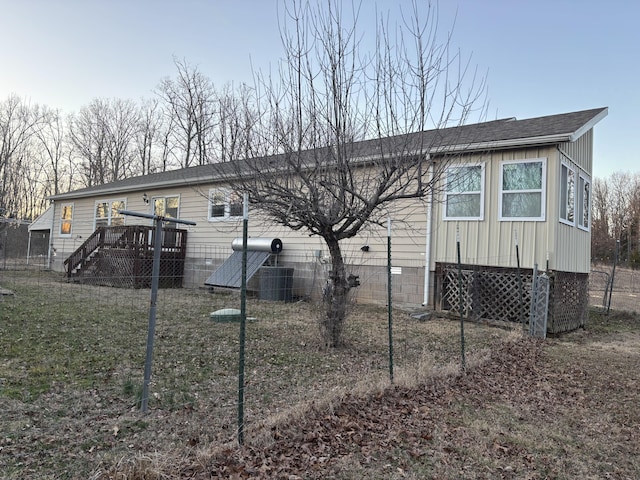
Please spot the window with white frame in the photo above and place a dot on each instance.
(584, 203)
(66, 219)
(567, 194)
(464, 192)
(107, 213)
(522, 189)
(167, 206)
(224, 204)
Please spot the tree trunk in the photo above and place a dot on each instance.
(335, 296)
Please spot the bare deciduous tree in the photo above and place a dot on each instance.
(19, 122)
(237, 120)
(601, 239)
(52, 145)
(329, 95)
(103, 135)
(188, 105)
(616, 216)
(148, 136)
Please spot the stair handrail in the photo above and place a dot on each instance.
(91, 244)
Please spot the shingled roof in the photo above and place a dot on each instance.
(496, 134)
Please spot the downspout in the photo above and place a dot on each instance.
(53, 219)
(427, 253)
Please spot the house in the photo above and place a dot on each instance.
(514, 185)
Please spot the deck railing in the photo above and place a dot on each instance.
(135, 240)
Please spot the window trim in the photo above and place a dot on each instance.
(152, 205)
(63, 220)
(580, 205)
(564, 201)
(482, 166)
(227, 192)
(542, 191)
(110, 210)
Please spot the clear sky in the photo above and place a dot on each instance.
(541, 56)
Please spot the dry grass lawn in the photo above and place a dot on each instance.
(71, 367)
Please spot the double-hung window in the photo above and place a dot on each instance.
(66, 219)
(567, 194)
(107, 213)
(522, 189)
(583, 209)
(224, 204)
(166, 206)
(464, 192)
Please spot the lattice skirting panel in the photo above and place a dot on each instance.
(489, 293)
(568, 301)
(501, 294)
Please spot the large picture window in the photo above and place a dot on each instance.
(224, 204)
(522, 190)
(464, 192)
(107, 212)
(584, 203)
(567, 194)
(66, 219)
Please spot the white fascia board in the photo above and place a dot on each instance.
(589, 125)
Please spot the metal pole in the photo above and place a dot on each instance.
(243, 320)
(155, 280)
(613, 273)
(534, 299)
(157, 247)
(390, 307)
(460, 303)
(520, 288)
(28, 248)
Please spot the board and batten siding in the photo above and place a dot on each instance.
(572, 252)
(489, 241)
(580, 151)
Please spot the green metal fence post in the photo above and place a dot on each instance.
(460, 307)
(243, 320)
(390, 307)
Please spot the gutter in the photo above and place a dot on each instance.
(133, 188)
(500, 144)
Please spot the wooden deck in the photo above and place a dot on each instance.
(122, 256)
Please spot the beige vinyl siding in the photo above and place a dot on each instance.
(208, 237)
